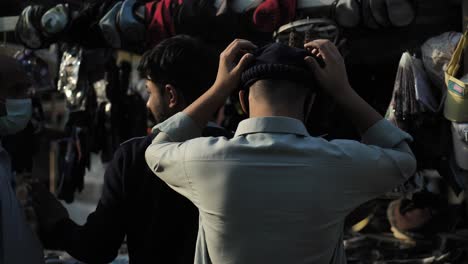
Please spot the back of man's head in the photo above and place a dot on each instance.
(279, 76)
(278, 92)
(186, 63)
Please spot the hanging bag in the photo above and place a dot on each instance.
(456, 101)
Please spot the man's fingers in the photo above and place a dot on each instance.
(236, 46)
(317, 53)
(233, 43)
(320, 51)
(325, 47)
(315, 43)
(244, 62)
(243, 44)
(240, 46)
(238, 42)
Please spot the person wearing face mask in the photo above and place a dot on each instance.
(18, 244)
(18, 113)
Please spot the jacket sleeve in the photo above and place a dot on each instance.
(99, 239)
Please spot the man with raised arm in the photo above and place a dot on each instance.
(273, 193)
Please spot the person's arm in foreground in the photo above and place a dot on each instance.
(166, 153)
(386, 160)
(99, 239)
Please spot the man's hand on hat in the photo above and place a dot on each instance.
(232, 61)
(332, 76)
(228, 78)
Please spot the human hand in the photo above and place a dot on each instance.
(332, 77)
(48, 209)
(227, 80)
(229, 70)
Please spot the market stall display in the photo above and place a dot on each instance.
(103, 108)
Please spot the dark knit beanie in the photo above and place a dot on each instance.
(278, 62)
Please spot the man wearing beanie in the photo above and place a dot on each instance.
(273, 193)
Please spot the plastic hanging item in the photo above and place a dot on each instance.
(131, 21)
(108, 25)
(56, 19)
(380, 12)
(460, 144)
(28, 29)
(37, 69)
(348, 13)
(400, 12)
(68, 78)
(436, 54)
(423, 87)
(456, 101)
(404, 107)
(309, 29)
(367, 15)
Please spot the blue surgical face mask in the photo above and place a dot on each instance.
(18, 114)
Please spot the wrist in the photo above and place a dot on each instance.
(204, 107)
(344, 94)
(220, 91)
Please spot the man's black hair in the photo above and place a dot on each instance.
(182, 61)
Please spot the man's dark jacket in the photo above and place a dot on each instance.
(160, 225)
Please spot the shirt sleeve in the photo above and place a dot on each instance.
(381, 162)
(166, 155)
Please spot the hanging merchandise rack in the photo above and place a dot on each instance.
(8, 23)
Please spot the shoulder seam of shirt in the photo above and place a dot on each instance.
(195, 195)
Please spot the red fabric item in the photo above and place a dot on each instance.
(167, 15)
(267, 15)
(271, 14)
(160, 24)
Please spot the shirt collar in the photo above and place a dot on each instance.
(276, 124)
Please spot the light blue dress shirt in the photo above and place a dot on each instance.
(273, 193)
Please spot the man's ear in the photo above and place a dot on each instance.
(309, 102)
(244, 101)
(173, 97)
